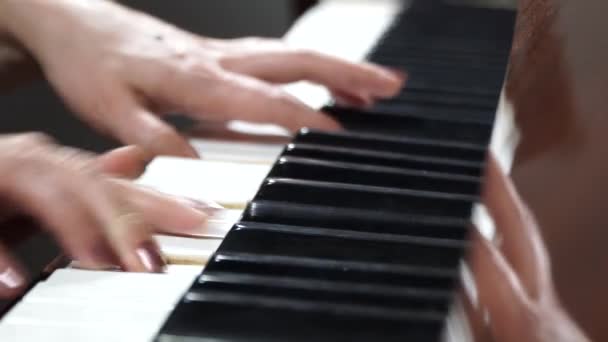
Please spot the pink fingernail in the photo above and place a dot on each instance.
(398, 73)
(11, 279)
(151, 258)
(207, 206)
(359, 101)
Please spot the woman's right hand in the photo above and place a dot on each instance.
(516, 297)
(98, 219)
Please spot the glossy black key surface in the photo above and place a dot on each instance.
(326, 291)
(313, 242)
(365, 197)
(366, 221)
(387, 159)
(353, 173)
(333, 270)
(358, 235)
(400, 125)
(239, 317)
(436, 148)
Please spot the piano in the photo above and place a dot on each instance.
(354, 235)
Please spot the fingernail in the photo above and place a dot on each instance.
(359, 101)
(207, 206)
(11, 279)
(151, 259)
(399, 74)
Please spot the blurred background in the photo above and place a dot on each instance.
(36, 107)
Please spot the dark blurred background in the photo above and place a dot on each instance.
(36, 107)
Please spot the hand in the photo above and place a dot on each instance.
(117, 68)
(98, 220)
(513, 280)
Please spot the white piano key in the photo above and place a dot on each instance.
(230, 184)
(100, 286)
(24, 332)
(73, 304)
(83, 313)
(321, 30)
(183, 250)
(219, 150)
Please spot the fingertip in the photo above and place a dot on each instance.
(325, 122)
(151, 257)
(389, 81)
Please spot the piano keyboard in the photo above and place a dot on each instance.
(356, 235)
(359, 235)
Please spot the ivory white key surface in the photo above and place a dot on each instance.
(79, 305)
(187, 250)
(240, 152)
(230, 184)
(346, 29)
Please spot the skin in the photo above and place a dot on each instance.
(98, 218)
(138, 68)
(513, 278)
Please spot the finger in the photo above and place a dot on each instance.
(359, 80)
(12, 276)
(232, 96)
(130, 235)
(348, 100)
(59, 201)
(136, 126)
(498, 288)
(129, 162)
(167, 214)
(522, 243)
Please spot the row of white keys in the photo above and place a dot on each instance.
(81, 305)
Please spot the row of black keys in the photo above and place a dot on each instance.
(347, 238)
(358, 236)
(455, 72)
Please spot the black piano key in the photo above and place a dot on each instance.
(256, 238)
(446, 50)
(387, 159)
(215, 315)
(425, 147)
(366, 197)
(415, 82)
(356, 220)
(445, 99)
(399, 125)
(325, 291)
(332, 270)
(455, 77)
(351, 173)
(471, 63)
(435, 111)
